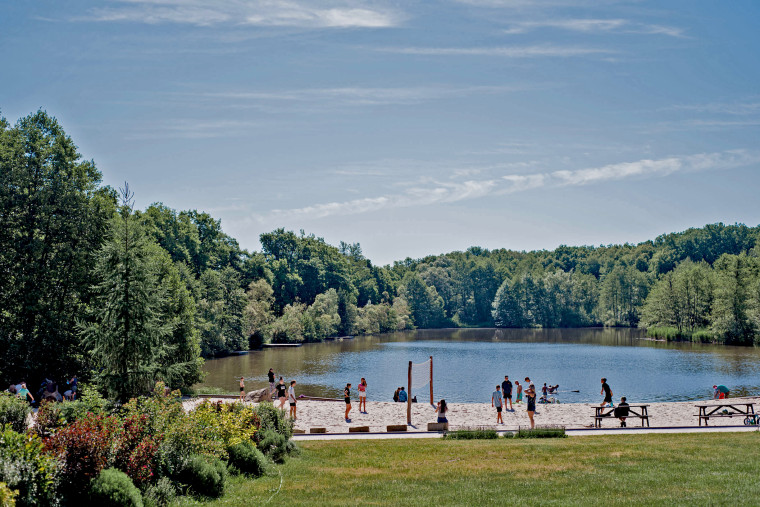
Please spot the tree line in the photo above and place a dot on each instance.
(90, 284)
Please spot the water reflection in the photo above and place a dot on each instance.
(469, 363)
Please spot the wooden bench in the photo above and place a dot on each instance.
(358, 429)
(640, 411)
(436, 426)
(396, 427)
(708, 411)
(317, 430)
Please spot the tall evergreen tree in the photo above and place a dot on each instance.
(127, 334)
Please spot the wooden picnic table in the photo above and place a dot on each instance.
(639, 411)
(706, 411)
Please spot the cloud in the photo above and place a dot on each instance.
(504, 51)
(195, 129)
(277, 13)
(739, 108)
(447, 192)
(596, 26)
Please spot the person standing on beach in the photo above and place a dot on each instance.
(530, 393)
(281, 396)
(544, 390)
(607, 392)
(506, 391)
(292, 399)
(363, 396)
(242, 388)
(496, 401)
(519, 392)
(347, 397)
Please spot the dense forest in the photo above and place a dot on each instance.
(90, 285)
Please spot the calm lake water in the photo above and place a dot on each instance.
(468, 363)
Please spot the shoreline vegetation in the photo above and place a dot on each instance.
(72, 246)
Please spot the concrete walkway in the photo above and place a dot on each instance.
(306, 437)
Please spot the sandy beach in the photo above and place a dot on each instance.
(329, 415)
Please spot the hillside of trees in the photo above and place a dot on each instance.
(90, 285)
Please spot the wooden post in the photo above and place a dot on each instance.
(409, 397)
(431, 381)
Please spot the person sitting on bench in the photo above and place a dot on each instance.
(621, 411)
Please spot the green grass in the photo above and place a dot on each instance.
(680, 469)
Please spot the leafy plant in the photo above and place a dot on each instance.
(7, 496)
(246, 458)
(540, 433)
(160, 494)
(26, 468)
(13, 411)
(113, 488)
(473, 434)
(206, 478)
(274, 445)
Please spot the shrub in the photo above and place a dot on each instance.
(135, 449)
(274, 445)
(160, 494)
(13, 411)
(26, 468)
(271, 418)
(7, 496)
(84, 449)
(540, 433)
(231, 422)
(113, 488)
(473, 434)
(247, 459)
(204, 477)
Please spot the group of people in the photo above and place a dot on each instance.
(48, 391)
(503, 396)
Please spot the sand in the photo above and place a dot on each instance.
(329, 415)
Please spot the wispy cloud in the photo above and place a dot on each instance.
(447, 192)
(739, 108)
(195, 129)
(291, 13)
(540, 51)
(586, 25)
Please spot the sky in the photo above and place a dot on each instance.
(410, 127)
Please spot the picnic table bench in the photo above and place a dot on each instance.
(706, 411)
(639, 411)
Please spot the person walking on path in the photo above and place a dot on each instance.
(363, 396)
(347, 397)
(519, 392)
(607, 392)
(530, 393)
(496, 401)
(281, 393)
(506, 392)
(242, 388)
(292, 399)
(270, 376)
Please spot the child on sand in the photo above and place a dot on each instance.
(519, 392)
(281, 396)
(292, 399)
(347, 397)
(242, 388)
(607, 392)
(496, 401)
(363, 396)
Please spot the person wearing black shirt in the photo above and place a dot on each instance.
(347, 397)
(282, 393)
(607, 392)
(270, 376)
(621, 411)
(506, 391)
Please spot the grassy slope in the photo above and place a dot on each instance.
(627, 469)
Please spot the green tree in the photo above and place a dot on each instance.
(53, 218)
(258, 313)
(736, 306)
(126, 333)
(426, 306)
(221, 312)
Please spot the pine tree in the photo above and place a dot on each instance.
(126, 335)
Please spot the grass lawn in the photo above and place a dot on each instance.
(685, 469)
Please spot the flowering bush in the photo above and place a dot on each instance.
(24, 467)
(84, 449)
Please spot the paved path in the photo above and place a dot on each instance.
(306, 437)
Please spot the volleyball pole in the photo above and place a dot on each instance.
(431, 381)
(409, 398)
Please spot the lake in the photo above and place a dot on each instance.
(468, 363)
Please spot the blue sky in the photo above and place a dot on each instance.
(411, 127)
